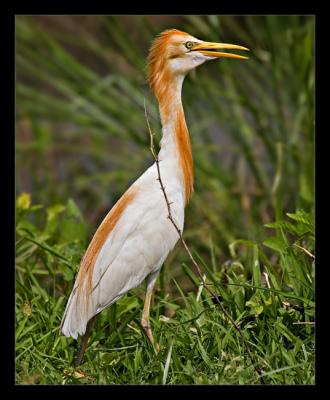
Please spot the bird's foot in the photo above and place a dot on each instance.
(147, 330)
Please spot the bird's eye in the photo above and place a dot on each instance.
(189, 45)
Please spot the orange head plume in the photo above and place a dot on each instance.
(159, 74)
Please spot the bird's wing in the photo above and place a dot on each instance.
(133, 239)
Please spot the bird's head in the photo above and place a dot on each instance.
(175, 53)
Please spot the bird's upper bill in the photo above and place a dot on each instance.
(210, 49)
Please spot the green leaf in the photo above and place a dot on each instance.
(275, 243)
(53, 211)
(256, 307)
(72, 224)
(203, 352)
(304, 218)
(53, 220)
(245, 242)
(68, 273)
(285, 225)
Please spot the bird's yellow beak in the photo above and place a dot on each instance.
(209, 49)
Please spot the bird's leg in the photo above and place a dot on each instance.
(84, 340)
(146, 308)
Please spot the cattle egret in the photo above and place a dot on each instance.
(135, 237)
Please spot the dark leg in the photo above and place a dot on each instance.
(84, 341)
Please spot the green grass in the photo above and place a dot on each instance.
(272, 301)
(82, 138)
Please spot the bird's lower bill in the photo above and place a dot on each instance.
(210, 49)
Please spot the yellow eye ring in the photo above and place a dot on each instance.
(189, 45)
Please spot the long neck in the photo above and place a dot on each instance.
(175, 142)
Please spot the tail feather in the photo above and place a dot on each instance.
(76, 316)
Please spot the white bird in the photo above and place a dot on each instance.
(136, 236)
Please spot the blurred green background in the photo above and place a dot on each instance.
(82, 139)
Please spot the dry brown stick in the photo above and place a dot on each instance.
(305, 250)
(196, 265)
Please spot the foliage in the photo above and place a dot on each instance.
(272, 301)
(82, 139)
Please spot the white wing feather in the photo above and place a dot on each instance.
(136, 247)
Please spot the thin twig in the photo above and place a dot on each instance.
(267, 279)
(305, 250)
(196, 265)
